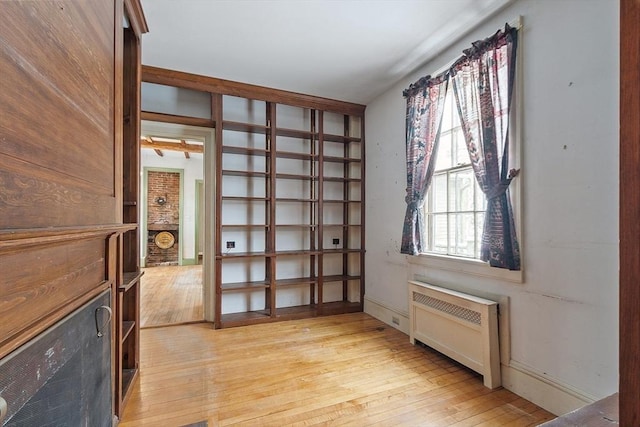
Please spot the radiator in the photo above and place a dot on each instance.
(461, 326)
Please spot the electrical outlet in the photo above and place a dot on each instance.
(395, 320)
(231, 245)
(336, 241)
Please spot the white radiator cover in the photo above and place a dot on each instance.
(461, 326)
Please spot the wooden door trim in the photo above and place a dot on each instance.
(629, 213)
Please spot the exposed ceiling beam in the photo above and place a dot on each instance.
(149, 140)
(172, 146)
(183, 143)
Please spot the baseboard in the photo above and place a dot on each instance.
(387, 315)
(188, 261)
(550, 394)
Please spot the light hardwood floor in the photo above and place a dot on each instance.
(339, 370)
(171, 295)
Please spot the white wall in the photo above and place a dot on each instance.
(192, 171)
(564, 330)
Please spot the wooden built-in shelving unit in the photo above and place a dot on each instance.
(289, 179)
(327, 278)
(127, 298)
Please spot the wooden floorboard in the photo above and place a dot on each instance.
(345, 370)
(171, 295)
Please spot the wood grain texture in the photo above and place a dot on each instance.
(59, 55)
(134, 13)
(629, 213)
(57, 124)
(226, 87)
(349, 370)
(171, 295)
(34, 290)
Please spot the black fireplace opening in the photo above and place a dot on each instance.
(63, 377)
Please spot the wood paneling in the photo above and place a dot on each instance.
(342, 370)
(57, 121)
(45, 278)
(629, 213)
(57, 67)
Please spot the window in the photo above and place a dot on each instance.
(455, 205)
(441, 177)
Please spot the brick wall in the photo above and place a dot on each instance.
(167, 186)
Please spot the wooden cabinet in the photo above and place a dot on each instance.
(290, 212)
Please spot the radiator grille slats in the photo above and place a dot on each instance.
(466, 314)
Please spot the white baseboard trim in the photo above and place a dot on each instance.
(550, 394)
(386, 314)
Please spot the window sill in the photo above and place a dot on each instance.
(465, 266)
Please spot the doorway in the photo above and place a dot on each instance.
(176, 218)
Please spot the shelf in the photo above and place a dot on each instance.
(127, 327)
(244, 199)
(294, 133)
(339, 278)
(341, 225)
(129, 279)
(245, 286)
(244, 151)
(289, 200)
(296, 156)
(245, 127)
(303, 252)
(340, 138)
(294, 176)
(296, 281)
(245, 226)
(257, 174)
(243, 255)
(341, 251)
(128, 375)
(297, 225)
(332, 159)
(289, 313)
(340, 201)
(340, 179)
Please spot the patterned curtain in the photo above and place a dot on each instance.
(483, 84)
(425, 105)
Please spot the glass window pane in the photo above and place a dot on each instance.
(439, 233)
(455, 114)
(447, 116)
(479, 228)
(461, 195)
(481, 202)
(439, 193)
(462, 234)
(461, 152)
(443, 159)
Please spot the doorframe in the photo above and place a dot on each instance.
(180, 131)
(629, 335)
(198, 218)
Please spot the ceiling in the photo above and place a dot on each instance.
(352, 50)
